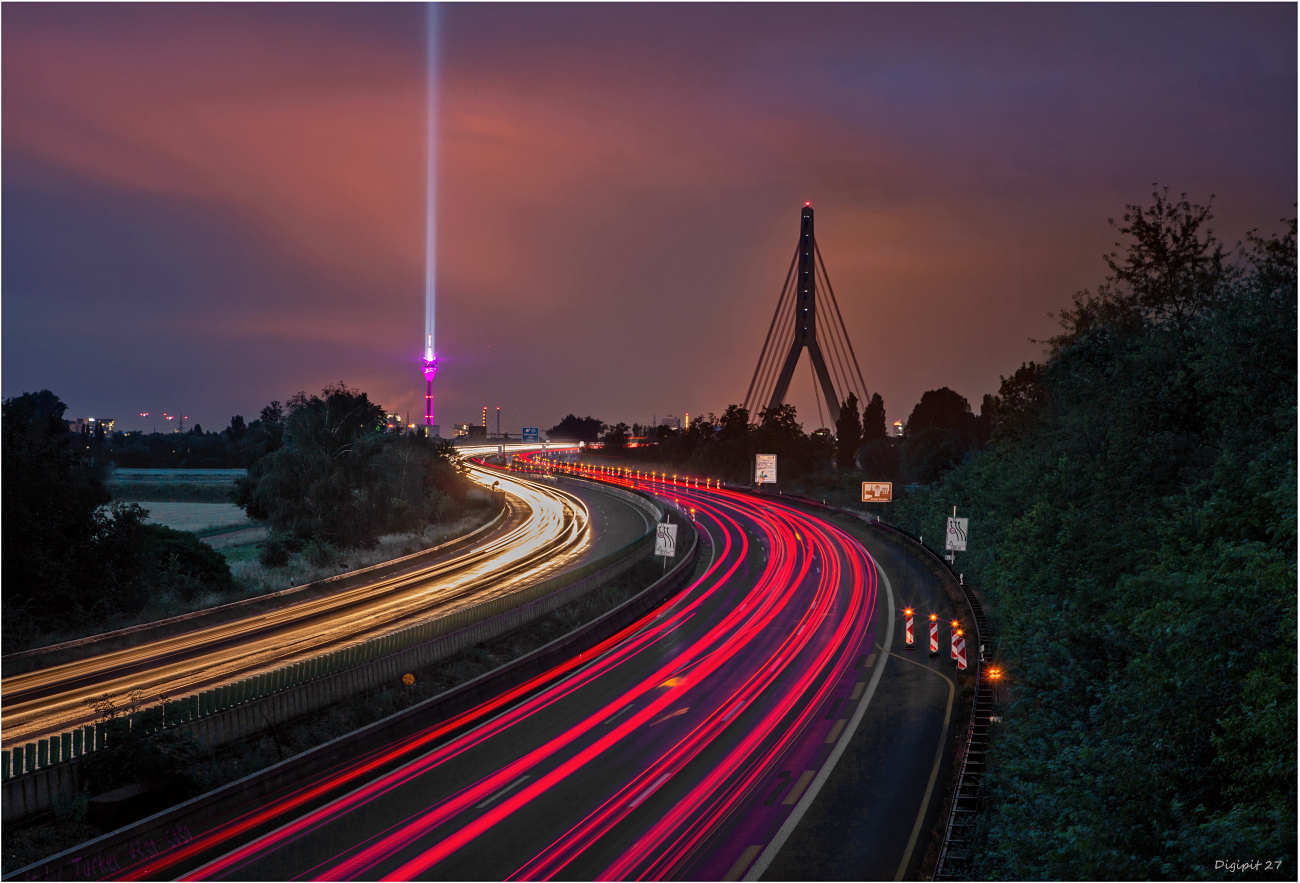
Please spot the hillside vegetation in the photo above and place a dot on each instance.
(1133, 522)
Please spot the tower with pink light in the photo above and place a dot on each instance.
(431, 211)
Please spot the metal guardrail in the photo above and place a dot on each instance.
(954, 861)
(77, 743)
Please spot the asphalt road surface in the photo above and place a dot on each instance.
(550, 529)
(699, 743)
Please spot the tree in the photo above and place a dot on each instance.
(943, 409)
(1140, 494)
(879, 460)
(67, 560)
(616, 438)
(573, 428)
(873, 420)
(848, 433)
(338, 478)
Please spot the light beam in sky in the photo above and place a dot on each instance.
(431, 211)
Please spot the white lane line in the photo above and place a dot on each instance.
(646, 793)
(792, 821)
(503, 792)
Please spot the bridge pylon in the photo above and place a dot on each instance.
(794, 329)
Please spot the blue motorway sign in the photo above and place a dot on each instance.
(530, 433)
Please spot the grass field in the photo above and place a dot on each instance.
(199, 518)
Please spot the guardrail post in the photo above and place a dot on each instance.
(65, 751)
(6, 758)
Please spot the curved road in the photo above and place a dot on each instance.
(551, 533)
(678, 748)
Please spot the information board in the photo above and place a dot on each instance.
(666, 540)
(956, 538)
(877, 491)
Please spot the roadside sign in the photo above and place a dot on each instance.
(765, 469)
(530, 434)
(956, 538)
(666, 540)
(877, 491)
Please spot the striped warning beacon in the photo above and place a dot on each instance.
(956, 627)
(934, 634)
(960, 648)
(909, 640)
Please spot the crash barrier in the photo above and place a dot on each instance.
(133, 636)
(33, 776)
(111, 855)
(954, 861)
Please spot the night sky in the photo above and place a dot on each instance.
(206, 207)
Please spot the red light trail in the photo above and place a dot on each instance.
(647, 756)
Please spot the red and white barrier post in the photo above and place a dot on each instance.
(961, 651)
(956, 627)
(908, 632)
(934, 634)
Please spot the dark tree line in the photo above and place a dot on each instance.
(71, 560)
(325, 470)
(1133, 522)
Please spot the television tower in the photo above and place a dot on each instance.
(430, 211)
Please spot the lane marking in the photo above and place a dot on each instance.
(671, 714)
(857, 691)
(835, 731)
(646, 793)
(784, 778)
(934, 773)
(741, 863)
(871, 660)
(792, 821)
(797, 791)
(503, 792)
(616, 715)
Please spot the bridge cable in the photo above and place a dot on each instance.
(835, 356)
(838, 337)
(784, 292)
(776, 355)
(836, 303)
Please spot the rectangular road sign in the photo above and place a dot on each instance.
(666, 540)
(530, 434)
(877, 491)
(765, 469)
(956, 538)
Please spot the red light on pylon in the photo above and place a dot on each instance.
(807, 205)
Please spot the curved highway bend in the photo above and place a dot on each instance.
(677, 748)
(555, 534)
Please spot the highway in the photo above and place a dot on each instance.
(679, 747)
(549, 529)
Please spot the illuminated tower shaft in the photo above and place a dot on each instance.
(431, 211)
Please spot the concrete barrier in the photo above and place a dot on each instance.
(111, 855)
(108, 642)
(34, 779)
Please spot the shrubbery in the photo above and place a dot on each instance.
(333, 477)
(1133, 522)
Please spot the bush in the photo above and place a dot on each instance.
(272, 553)
(185, 562)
